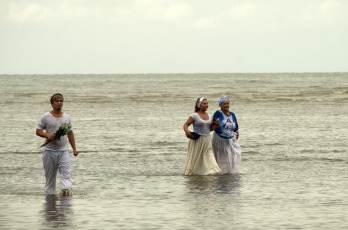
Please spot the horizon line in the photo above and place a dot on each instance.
(176, 73)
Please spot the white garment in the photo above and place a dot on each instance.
(54, 161)
(200, 157)
(201, 126)
(227, 153)
(51, 124)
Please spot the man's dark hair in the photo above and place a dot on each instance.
(54, 96)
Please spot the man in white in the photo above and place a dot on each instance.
(56, 156)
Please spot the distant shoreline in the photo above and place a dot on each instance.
(173, 74)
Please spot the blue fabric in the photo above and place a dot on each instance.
(195, 135)
(223, 99)
(228, 124)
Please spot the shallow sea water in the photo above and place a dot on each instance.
(128, 175)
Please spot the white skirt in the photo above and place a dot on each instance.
(227, 152)
(200, 157)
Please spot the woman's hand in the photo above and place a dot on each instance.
(189, 134)
(216, 122)
(237, 134)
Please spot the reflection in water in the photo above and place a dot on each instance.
(212, 198)
(228, 184)
(223, 184)
(57, 211)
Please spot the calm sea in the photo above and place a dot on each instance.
(128, 129)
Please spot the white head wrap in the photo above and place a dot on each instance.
(200, 102)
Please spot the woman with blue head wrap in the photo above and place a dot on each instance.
(200, 157)
(226, 149)
(223, 99)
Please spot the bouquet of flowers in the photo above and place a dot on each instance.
(62, 131)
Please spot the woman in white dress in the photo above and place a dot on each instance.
(226, 148)
(200, 157)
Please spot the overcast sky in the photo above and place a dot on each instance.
(173, 36)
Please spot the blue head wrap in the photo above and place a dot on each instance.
(223, 99)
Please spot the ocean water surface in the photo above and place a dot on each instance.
(128, 175)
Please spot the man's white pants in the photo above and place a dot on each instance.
(54, 161)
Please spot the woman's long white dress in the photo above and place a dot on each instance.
(227, 153)
(200, 157)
